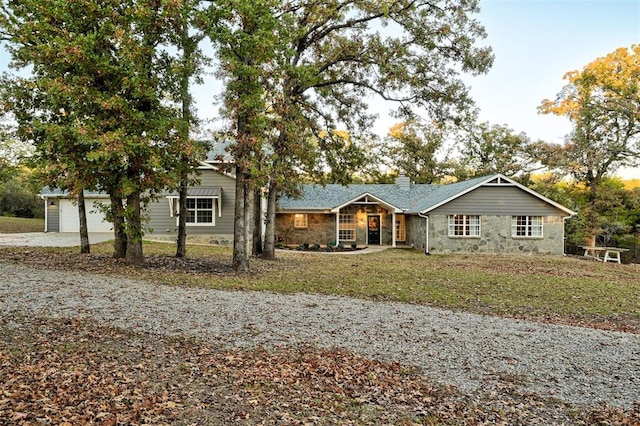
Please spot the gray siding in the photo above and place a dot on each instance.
(498, 200)
(162, 223)
(53, 215)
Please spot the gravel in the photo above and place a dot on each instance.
(573, 364)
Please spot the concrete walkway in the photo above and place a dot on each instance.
(369, 249)
(51, 239)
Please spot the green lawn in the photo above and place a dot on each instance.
(15, 225)
(545, 286)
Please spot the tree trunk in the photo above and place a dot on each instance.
(248, 218)
(120, 236)
(188, 50)
(257, 223)
(591, 215)
(270, 231)
(240, 262)
(181, 243)
(134, 254)
(85, 248)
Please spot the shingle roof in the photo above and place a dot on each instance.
(418, 198)
(318, 198)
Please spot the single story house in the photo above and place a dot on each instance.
(492, 214)
(210, 205)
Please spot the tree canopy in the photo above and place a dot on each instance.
(493, 148)
(603, 103)
(94, 102)
(309, 68)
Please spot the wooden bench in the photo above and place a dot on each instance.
(611, 254)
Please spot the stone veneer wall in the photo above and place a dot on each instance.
(495, 237)
(322, 227)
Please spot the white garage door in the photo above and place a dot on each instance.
(69, 221)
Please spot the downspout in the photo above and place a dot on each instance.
(337, 227)
(426, 233)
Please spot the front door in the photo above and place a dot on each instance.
(373, 229)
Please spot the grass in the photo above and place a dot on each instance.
(544, 287)
(17, 225)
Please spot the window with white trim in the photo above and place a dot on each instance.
(347, 227)
(463, 225)
(200, 211)
(526, 226)
(301, 220)
(401, 232)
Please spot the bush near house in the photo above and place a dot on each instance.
(19, 196)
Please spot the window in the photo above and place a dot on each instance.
(347, 227)
(401, 233)
(200, 211)
(461, 225)
(300, 221)
(526, 226)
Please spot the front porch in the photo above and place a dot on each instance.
(365, 222)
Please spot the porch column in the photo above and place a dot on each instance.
(46, 215)
(338, 227)
(393, 228)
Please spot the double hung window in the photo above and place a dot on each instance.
(526, 226)
(200, 211)
(347, 227)
(462, 225)
(300, 221)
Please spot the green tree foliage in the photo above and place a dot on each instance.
(617, 209)
(413, 149)
(18, 197)
(245, 34)
(93, 104)
(603, 103)
(315, 63)
(13, 151)
(492, 148)
(188, 68)
(18, 194)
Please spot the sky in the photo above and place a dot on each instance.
(535, 42)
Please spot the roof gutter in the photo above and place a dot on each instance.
(426, 233)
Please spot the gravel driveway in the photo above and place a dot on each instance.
(51, 239)
(574, 364)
